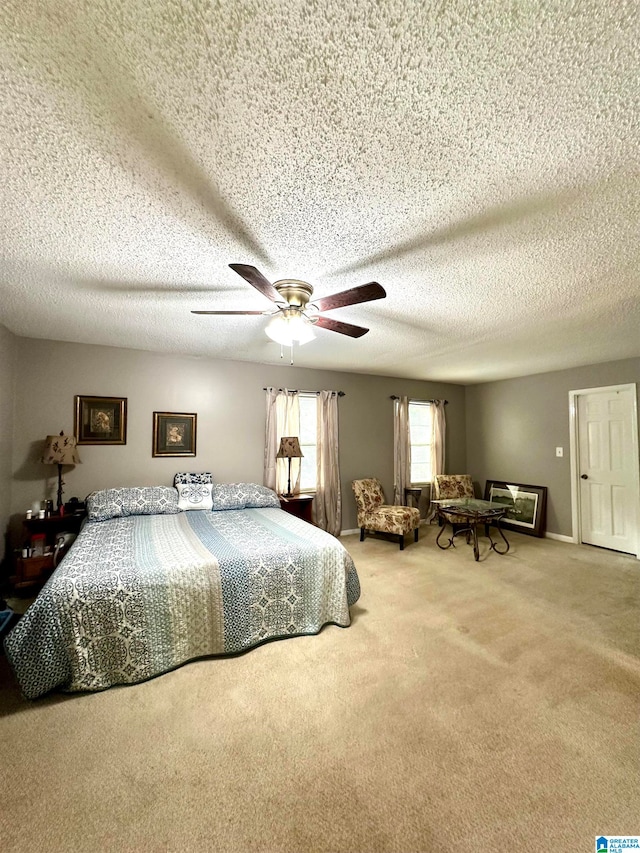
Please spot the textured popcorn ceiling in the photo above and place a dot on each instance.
(479, 160)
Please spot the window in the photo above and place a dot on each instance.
(420, 430)
(308, 441)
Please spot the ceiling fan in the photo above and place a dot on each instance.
(295, 314)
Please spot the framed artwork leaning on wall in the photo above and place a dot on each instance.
(527, 505)
(174, 434)
(100, 420)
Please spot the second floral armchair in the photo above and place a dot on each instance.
(452, 486)
(376, 516)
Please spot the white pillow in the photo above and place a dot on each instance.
(194, 490)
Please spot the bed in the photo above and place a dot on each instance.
(151, 586)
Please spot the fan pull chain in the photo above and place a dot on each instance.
(282, 352)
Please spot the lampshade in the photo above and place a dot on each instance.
(290, 326)
(289, 448)
(60, 450)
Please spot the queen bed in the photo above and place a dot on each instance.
(148, 586)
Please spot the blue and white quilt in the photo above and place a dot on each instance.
(139, 595)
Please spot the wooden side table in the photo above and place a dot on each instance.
(414, 494)
(298, 505)
(34, 570)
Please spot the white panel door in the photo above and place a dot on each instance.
(608, 500)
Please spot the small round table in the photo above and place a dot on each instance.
(414, 494)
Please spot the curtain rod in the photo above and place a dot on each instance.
(395, 397)
(339, 393)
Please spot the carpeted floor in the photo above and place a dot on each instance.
(470, 706)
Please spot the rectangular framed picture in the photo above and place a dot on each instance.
(101, 420)
(527, 505)
(174, 434)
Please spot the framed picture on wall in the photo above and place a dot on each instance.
(174, 434)
(100, 420)
(527, 505)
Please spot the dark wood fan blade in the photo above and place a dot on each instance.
(342, 328)
(231, 312)
(257, 280)
(364, 293)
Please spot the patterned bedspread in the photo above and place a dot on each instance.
(138, 596)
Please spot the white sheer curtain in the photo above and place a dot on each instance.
(283, 418)
(328, 502)
(438, 426)
(401, 449)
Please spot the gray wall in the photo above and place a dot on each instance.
(514, 427)
(7, 380)
(499, 430)
(229, 400)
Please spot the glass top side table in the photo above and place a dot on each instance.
(469, 513)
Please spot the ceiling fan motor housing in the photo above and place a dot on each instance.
(296, 293)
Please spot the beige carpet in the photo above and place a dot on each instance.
(470, 706)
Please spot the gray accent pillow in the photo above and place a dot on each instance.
(132, 500)
(243, 496)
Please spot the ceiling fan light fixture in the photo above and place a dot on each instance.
(295, 314)
(290, 326)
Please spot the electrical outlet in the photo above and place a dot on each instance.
(559, 451)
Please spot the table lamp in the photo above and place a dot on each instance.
(60, 450)
(289, 449)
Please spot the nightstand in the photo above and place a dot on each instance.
(34, 570)
(298, 505)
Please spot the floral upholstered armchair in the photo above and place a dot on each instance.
(375, 515)
(453, 486)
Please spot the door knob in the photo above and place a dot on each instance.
(583, 477)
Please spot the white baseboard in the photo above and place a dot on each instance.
(560, 537)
